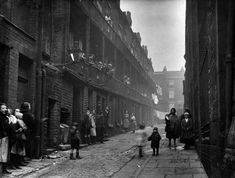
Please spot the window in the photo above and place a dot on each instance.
(171, 94)
(171, 83)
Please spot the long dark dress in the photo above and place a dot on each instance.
(186, 130)
(172, 126)
(30, 133)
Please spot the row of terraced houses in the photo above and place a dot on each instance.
(65, 56)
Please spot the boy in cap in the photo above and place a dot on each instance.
(75, 140)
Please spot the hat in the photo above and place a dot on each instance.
(155, 128)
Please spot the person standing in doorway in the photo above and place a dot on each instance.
(30, 133)
(172, 126)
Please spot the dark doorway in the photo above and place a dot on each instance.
(4, 51)
(24, 79)
(77, 107)
(90, 103)
(51, 115)
(103, 104)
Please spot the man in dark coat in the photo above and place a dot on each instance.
(187, 130)
(30, 133)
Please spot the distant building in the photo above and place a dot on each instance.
(169, 90)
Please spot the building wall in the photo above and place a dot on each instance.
(45, 34)
(20, 43)
(208, 79)
(170, 82)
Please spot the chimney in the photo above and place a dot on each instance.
(128, 16)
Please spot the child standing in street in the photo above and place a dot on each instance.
(141, 139)
(75, 140)
(155, 140)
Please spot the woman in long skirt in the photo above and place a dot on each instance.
(187, 130)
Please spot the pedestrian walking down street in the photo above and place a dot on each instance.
(172, 126)
(93, 127)
(126, 122)
(141, 138)
(187, 131)
(30, 133)
(100, 126)
(4, 139)
(155, 140)
(75, 141)
(133, 123)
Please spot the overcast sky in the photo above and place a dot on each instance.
(161, 24)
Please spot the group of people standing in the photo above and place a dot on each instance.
(17, 132)
(94, 127)
(179, 127)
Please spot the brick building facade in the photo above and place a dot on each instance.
(170, 90)
(66, 56)
(209, 82)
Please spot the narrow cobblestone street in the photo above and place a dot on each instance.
(118, 158)
(101, 160)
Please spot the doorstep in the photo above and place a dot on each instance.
(64, 147)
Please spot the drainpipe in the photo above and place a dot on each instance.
(43, 92)
(229, 157)
(229, 65)
(38, 81)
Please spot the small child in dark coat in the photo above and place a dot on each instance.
(155, 139)
(75, 140)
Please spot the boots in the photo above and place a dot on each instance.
(4, 169)
(77, 155)
(153, 152)
(140, 152)
(71, 156)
